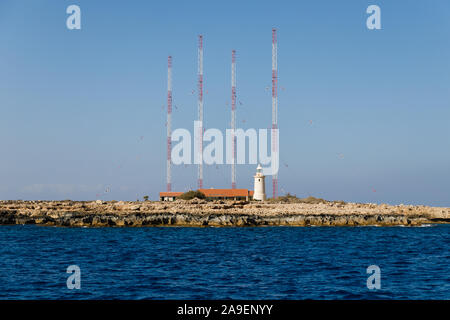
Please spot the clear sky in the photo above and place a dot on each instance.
(363, 114)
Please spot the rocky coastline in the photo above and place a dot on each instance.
(200, 213)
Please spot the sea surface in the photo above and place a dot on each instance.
(225, 263)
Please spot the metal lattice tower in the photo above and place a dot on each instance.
(169, 122)
(200, 111)
(274, 107)
(233, 118)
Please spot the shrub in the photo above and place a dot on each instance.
(191, 195)
(289, 198)
(312, 200)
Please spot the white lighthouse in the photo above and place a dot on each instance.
(260, 185)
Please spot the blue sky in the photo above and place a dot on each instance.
(363, 114)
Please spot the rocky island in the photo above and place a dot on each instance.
(201, 213)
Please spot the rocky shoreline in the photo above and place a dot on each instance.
(200, 213)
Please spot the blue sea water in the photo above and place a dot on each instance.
(225, 263)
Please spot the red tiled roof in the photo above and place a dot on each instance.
(224, 192)
(170, 194)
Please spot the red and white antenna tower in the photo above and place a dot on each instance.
(274, 108)
(169, 122)
(233, 118)
(200, 111)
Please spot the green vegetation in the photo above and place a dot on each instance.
(289, 198)
(145, 198)
(191, 195)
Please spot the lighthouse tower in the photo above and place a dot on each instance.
(260, 185)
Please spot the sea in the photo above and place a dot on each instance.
(39, 262)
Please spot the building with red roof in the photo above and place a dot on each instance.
(213, 194)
